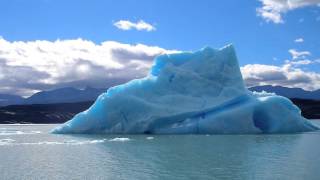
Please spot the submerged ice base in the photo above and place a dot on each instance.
(189, 93)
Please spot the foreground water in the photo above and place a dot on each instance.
(30, 152)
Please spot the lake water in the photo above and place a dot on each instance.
(30, 152)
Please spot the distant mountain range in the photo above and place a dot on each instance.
(62, 112)
(73, 95)
(297, 93)
(60, 105)
(7, 99)
(41, 113)
(62, 95)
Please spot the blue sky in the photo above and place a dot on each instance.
(178, 25)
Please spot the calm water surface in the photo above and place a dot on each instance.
(30, 152)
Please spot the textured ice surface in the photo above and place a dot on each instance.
(198, 93)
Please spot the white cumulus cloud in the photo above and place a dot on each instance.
(272, 10)
(128, 25)
(29, 66)
(285, 75)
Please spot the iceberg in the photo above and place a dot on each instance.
(200, 92)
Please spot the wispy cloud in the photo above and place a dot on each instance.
(299, 62)
(128, 25)
(299, 40)
(299, 58)
(298, 54)
(272, 10)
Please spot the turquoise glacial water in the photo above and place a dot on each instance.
(31, 152)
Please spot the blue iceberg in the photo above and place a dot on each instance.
(189, 93)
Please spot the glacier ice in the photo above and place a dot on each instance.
(198, 92)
